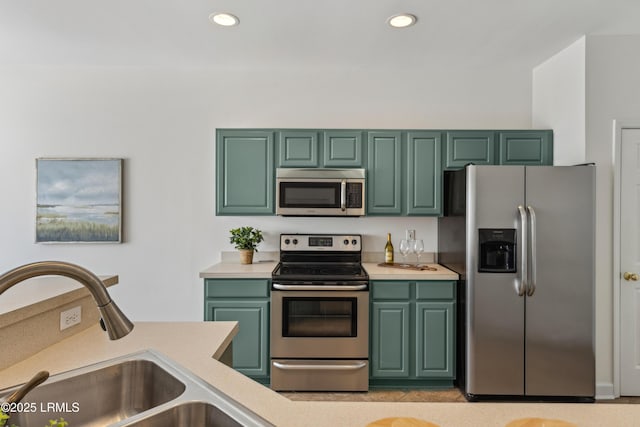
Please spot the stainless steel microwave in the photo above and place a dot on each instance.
(320, 192)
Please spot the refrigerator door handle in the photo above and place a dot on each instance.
(521, 282)
(531, 286)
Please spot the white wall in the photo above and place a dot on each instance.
(613, 92)
(162, 121)
(559, 102)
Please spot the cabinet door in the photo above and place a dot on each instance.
(526, 147)
(342, 148)
(251, 345)
(424, 173)
(390, 339)
(244, 172)
(435, 339)
(298, 149)
(384, 178)
(469, 146)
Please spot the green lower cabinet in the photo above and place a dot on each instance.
(435, 349)
(245, 301)
(390, 339)
(413, 334)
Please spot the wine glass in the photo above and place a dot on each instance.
(405, 247)
(418, 248)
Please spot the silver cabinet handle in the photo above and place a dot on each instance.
(343, 195)
(521, 285)
(351, 367)
(280, 287)
(534, 261)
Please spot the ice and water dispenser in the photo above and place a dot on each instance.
(497, 250)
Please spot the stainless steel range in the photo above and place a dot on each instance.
(320, 314)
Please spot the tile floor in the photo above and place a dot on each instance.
(448, 395)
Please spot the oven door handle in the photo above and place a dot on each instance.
(348, 367)
(280, 287)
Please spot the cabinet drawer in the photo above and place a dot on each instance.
(240, 288)
(436, 290)
(390, 289)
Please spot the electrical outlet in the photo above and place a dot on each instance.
(70, 317)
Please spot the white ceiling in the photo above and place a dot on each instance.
(290, 33)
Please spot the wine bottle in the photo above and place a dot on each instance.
(388, 250)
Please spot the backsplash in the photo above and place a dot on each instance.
(376, 257)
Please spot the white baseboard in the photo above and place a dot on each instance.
(604, 391)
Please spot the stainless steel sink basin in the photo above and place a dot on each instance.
(138, 390)
(101, 396)
(188, 415)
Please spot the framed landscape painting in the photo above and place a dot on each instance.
(79, 201)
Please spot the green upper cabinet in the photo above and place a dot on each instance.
(424, 173)
(469, 146)
(488, 147)
(298, 149)
(404, 167)
(317, 148)
(342, 148)
(384, 177)
(526, 147)
(244, 172)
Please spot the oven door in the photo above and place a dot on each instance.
(319, 324)
(320, 197)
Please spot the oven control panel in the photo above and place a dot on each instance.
(321, 242)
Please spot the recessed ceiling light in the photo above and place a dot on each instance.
(402, 20)
(224, 19)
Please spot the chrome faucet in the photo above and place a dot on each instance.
(115, 322)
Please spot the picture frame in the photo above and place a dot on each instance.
(79, 200)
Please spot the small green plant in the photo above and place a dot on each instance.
(52, 423)
(4, 418)
(246, 238)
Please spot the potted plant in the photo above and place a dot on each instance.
(246, 240)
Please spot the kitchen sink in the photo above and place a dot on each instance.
(188, 415)
(141, 389)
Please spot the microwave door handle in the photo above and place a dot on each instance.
(343, 195)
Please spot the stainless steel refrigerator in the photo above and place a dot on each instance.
(522, 240)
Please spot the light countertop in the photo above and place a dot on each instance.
(386, 273)
(192, 345)
(235, 270)
(262, 270)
